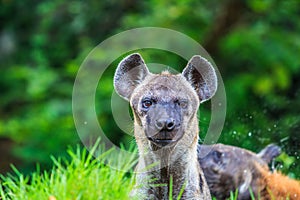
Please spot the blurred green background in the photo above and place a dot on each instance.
(255, 44)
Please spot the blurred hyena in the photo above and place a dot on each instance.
(166, 126)
(228, 168)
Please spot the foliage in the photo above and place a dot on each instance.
(79, 177)
(42, 46)
(254, 43)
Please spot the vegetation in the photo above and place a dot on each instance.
(80, 177)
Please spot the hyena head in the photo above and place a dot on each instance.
(165, 105)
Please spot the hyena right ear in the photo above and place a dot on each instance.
(202, 76)
(269, 153)
(131, 71)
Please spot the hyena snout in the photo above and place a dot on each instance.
(163, 125)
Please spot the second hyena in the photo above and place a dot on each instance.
(166, 126)
(228, 168)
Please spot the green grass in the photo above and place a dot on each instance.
(81, 177)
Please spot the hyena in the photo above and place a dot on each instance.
(166, 126)
(228, 168)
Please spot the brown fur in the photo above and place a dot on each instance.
(166, 125)
(227, 168)
(277, 186)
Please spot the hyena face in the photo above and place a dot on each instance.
(164, 105)
(162, 110)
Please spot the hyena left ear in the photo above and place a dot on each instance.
(202, 76)
(131, 71)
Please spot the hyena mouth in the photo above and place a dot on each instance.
(161, 143)
(164, 138)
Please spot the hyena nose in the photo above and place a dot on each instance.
(168, 124)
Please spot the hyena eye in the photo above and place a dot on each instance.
(146, 103)
(181, 103)
(217, 156)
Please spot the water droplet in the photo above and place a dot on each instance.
(85, 123)
(249, 134)
(275, 125)
(269, 129)
(234, 132)
(250, 116)
(280, 166)
(219, 104)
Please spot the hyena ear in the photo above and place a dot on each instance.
(131, 71)
(269, 153)
(202, 76)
